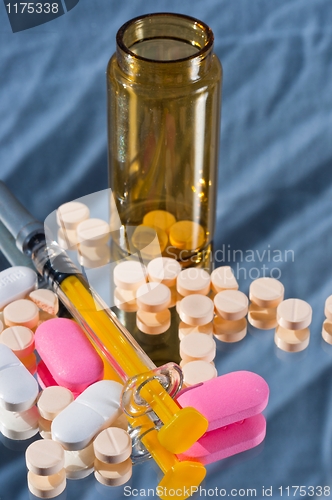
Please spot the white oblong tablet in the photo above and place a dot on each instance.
(21, 312)
(93, 232)
(153, 323)
(327, 331)
(45, 457)
(19, 339)
(231, 304)
(125, 300)
(113, 474)
(185, 329)
(53, 400)
(266, 292)
(164, 270)
(112, 445)
(196, 310)
(18, 388)
(263, 318)
(193, 280)
(292, 340)
(129, 275)
(229, 331)
(45, 300)
(294, 314)
(198, 346)
(16, 283)
(223, 278)
(47, 486)
(328, 308)
(153, 297)
(79, 464)
(91, 411)
(70, 214)
(19, 425)
(196, 372)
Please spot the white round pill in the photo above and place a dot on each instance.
(93, 232)
(164, 270)
(198, 346)
(21, 312)
(112, 445)
(70, 214)
(129, 275)
(52, 400)
(45, 300)
(125, 300)
(93, 257)
(153, 297)
(263, 318)
(193, 280)
(19, 425)
(229, 331)
(328, 308)
(185, 329)
(19, 339)
(223, 278)
(294, 314)
(113, 474)
(266, 292)
(231, 304)
(45, 457)
(47, 486)
(153, 323)
(196, 372)
(196, 310)
(291, 340)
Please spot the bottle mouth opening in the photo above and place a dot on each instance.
(165, 38)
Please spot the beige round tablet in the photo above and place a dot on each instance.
(198, 346)
(327, 331)
(159, 218)
(223, 278)
(187, 235)
(21, 312)
(153, 323)
(80, 463)
(185, 329)
(328, 308)
(47, 486)
(52, 400)
(93, 232)
(93, 257)
(291, 340)
(45, 428)
(196, 310)
(196, 372)
(45, 457)
(45, 300)
(294, 314)
(153, 297)
(69, 215)
(266, 292)
(229, 331)
(125, 300)
(231, 304)
(193, 280)
(112, 445)
(67, 238)
(164, 270)
(262, 317)
(113, 474)
(129, 275)
(19, 339)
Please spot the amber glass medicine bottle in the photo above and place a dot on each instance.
(164, 99)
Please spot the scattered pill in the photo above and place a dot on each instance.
(53, 400)
(19, 339)
(18, 388)
(129, 275)
(93, 257)
(291, 340)
(294, 314)
(328, 308)
(80, 463)
(67, 238)
(231, 304)
(196, 372)
(327, 331)
(125, 300)
(263, 318)
(21, 312)
(112, 445)
(113, 474)
(196, 310)
(185, 329)
(229, 331)
(19, 425)
(187, 235)
(93, 232)
(164, 270)
(193, 280)
(153, 323)
(198, 346)
(15, 283)
(45, 300)
(47, 486)
(153, 297)
(69, 215)
(151, 242)
(85, 417)
(159, 218)
(266, 292)
(223, 278)
(45, 457)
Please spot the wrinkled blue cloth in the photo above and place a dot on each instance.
(274, 199)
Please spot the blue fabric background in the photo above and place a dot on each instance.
(275, 192)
